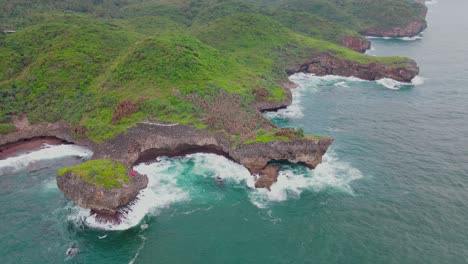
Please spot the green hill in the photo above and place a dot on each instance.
(199, 63)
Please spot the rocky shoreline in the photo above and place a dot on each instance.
(105, 202)
(149, 140)
(412, 29)
(26, 146)
(356, 44)
(326, 64)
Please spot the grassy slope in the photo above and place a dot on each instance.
(78, 68)
(358, 14)
(268, 47)
(313, 25)
(102, 173)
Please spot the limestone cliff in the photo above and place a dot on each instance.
(103, 201)
(325, 64)
(356, 44)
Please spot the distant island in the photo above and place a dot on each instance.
(135, 80)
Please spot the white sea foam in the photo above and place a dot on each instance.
(212, 165)
(418, 80)
(396, 85)
(432, 2)
(143, 239)
(341, 84)
(292, 111)
(309, 82)
(21, 162)
(332, 172)
(390, 83)
(417, 37)
(164, 189)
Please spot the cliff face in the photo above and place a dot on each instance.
(356, 44)
(103, 201)
(325, 64)
(147, 141)
(410, 30)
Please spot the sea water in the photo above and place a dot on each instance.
(393, 187)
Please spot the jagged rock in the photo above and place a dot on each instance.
(356, 44)
(103, 201)
(326, 64)
(267, 177)
(411, 30)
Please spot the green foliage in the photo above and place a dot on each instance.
(7, 128)
(166, 55)
(172, 109)
(383, 13)
(168, 9)
(156, 26)
(267, 47)
(359, 14)
(102, 173)
(277, 135)
(313, 25)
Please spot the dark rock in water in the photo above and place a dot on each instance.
(326, 64)
(268, 176)
(411, 30)
(105, 202)
(356, 44)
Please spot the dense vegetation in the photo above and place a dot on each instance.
(104, 66)
(102, 173)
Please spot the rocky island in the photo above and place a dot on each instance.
(194, 78)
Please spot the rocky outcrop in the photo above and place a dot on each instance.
(262, 104)
(26, 131)
(103, 201)
(412, 29)
(356, 44)
(150, 140)
(326, 64)
(267, 177)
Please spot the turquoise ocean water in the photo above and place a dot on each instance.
(393, 188)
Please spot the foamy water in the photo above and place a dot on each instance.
(175, 180)
(162, 191)
(417, 37)
(311, 82)
(27, 161)
(331, 173)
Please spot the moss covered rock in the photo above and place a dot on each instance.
(101, 185)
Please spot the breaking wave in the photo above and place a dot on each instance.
(162, 191)
(309, 82)
(312, 82)
(431, 2)
(31, 160)
(194, 178)
(417, 37)
(294, 180)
